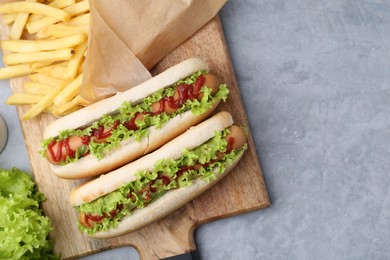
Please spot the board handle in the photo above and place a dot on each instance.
(186, 256)
(174, 237)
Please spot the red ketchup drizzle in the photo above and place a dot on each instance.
(183, 170)
(100, 133)
(85, 140)
(230, 143)
(114, 212)
(96, 218)
(185, 92)
(165, 180)
(58, 155)
(131, 123)
(50, 149)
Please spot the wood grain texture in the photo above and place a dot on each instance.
(241, 191)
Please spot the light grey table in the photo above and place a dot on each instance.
(314, 76)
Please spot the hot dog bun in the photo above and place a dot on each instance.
(171, 200)
(129, 149)
(167, 204)
(95, 111)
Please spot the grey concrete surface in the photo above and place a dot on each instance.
(314, 76)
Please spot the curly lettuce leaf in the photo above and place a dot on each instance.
(24, 231)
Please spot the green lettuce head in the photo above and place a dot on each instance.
(23, 228)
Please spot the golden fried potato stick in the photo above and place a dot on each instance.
(45, 79)
(56, 4)
(61, 30)
(36, 8)
(69, 91)
(41, 64)
(23, 99)
(75, 62)
(15, 71)
(72, 10)
(78, 8)
(43, 104)
(50, 109)
(57, 55)
(24, 46)
(57, 71)
(40, 67)
(79, 20)
(9, 18)
(37, 88)
(75, 104)
(19, 24)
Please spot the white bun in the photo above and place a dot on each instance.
(93, 112)
(168, 203)
(112, 181)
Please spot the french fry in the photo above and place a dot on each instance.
(37, 88)
(25, 46)
(44, 103)
(79, 20)
(9, 18)
(45, 79)
(54, 60)
(15, 71)
(71, 106)
(41, 64)
(60, 4)
(18, 26)
(72, 10)
(61, 30)
(56, 4)
(23, 99)
(57, 71)
(78, 8)
(41, 67)
(17, 58)
(36, 8)
(50, 109)
(81, 68)
(69, 92)
(75, 62)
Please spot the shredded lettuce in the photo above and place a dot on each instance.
(23, 228)
(206, 153)
(128, 111)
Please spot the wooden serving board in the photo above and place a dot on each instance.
(241, 191)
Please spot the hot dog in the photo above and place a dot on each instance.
(117, 130)
(161, 182)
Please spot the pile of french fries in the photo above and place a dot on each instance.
(47, 42)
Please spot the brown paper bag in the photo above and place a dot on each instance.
(129, 37)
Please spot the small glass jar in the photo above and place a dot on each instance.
(3, 134)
